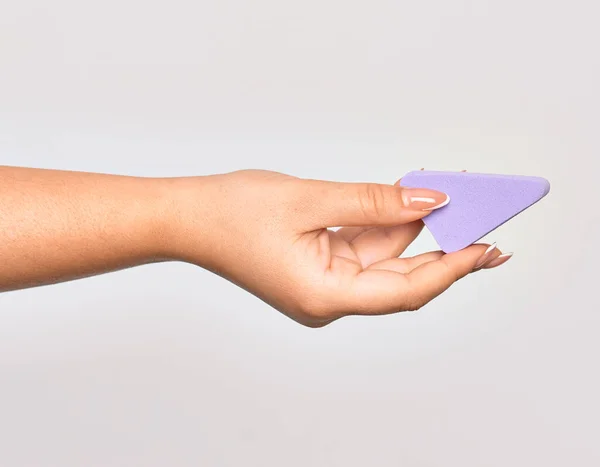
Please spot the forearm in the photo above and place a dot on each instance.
(57, 226)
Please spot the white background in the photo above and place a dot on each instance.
(167, 365)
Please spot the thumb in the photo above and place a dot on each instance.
(365, 204)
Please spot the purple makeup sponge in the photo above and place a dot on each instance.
(479, 203)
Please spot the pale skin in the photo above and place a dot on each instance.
(268, 232)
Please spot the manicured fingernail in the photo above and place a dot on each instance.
(423, 199)
(498, 261)
(485, 257)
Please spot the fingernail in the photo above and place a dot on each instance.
(485, 257)
(498, 261)
(423, 199)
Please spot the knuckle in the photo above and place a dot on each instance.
(372, 199)
(414, 301)
(451, 274)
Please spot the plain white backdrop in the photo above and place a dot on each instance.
(167, 365)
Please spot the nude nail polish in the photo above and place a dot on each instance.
(487, 256)
(423, 199)
(498, 261)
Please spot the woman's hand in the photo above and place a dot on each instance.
(268, 233)
(265, 231)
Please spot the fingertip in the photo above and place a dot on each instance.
(440, 205)
(471, 257)
(497, 261)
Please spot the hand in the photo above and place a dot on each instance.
(268, 233)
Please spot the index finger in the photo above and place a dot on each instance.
(379, 291)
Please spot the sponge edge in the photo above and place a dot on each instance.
(479, 203)
(542, 183)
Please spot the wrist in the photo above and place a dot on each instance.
(185, 215)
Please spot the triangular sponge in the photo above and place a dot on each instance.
(479, 203)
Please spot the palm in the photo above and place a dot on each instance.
(362, 262)
(369, 248)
